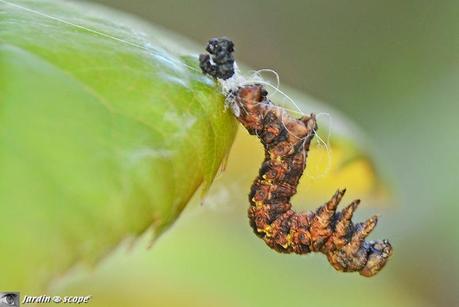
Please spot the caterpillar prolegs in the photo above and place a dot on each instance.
(286, 141)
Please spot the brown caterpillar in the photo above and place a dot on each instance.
(286, 141)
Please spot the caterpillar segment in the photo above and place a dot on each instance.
(286, 142)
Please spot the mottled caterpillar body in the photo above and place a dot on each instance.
(286, 141)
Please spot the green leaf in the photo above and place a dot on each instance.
(107, 128)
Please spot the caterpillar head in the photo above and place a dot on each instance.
(378, 253)
(368, 260)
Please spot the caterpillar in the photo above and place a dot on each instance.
(286, 142)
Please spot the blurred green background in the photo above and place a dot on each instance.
(391, 66)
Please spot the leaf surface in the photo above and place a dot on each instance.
(105, 131)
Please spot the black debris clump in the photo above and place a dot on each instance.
(221, 64)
